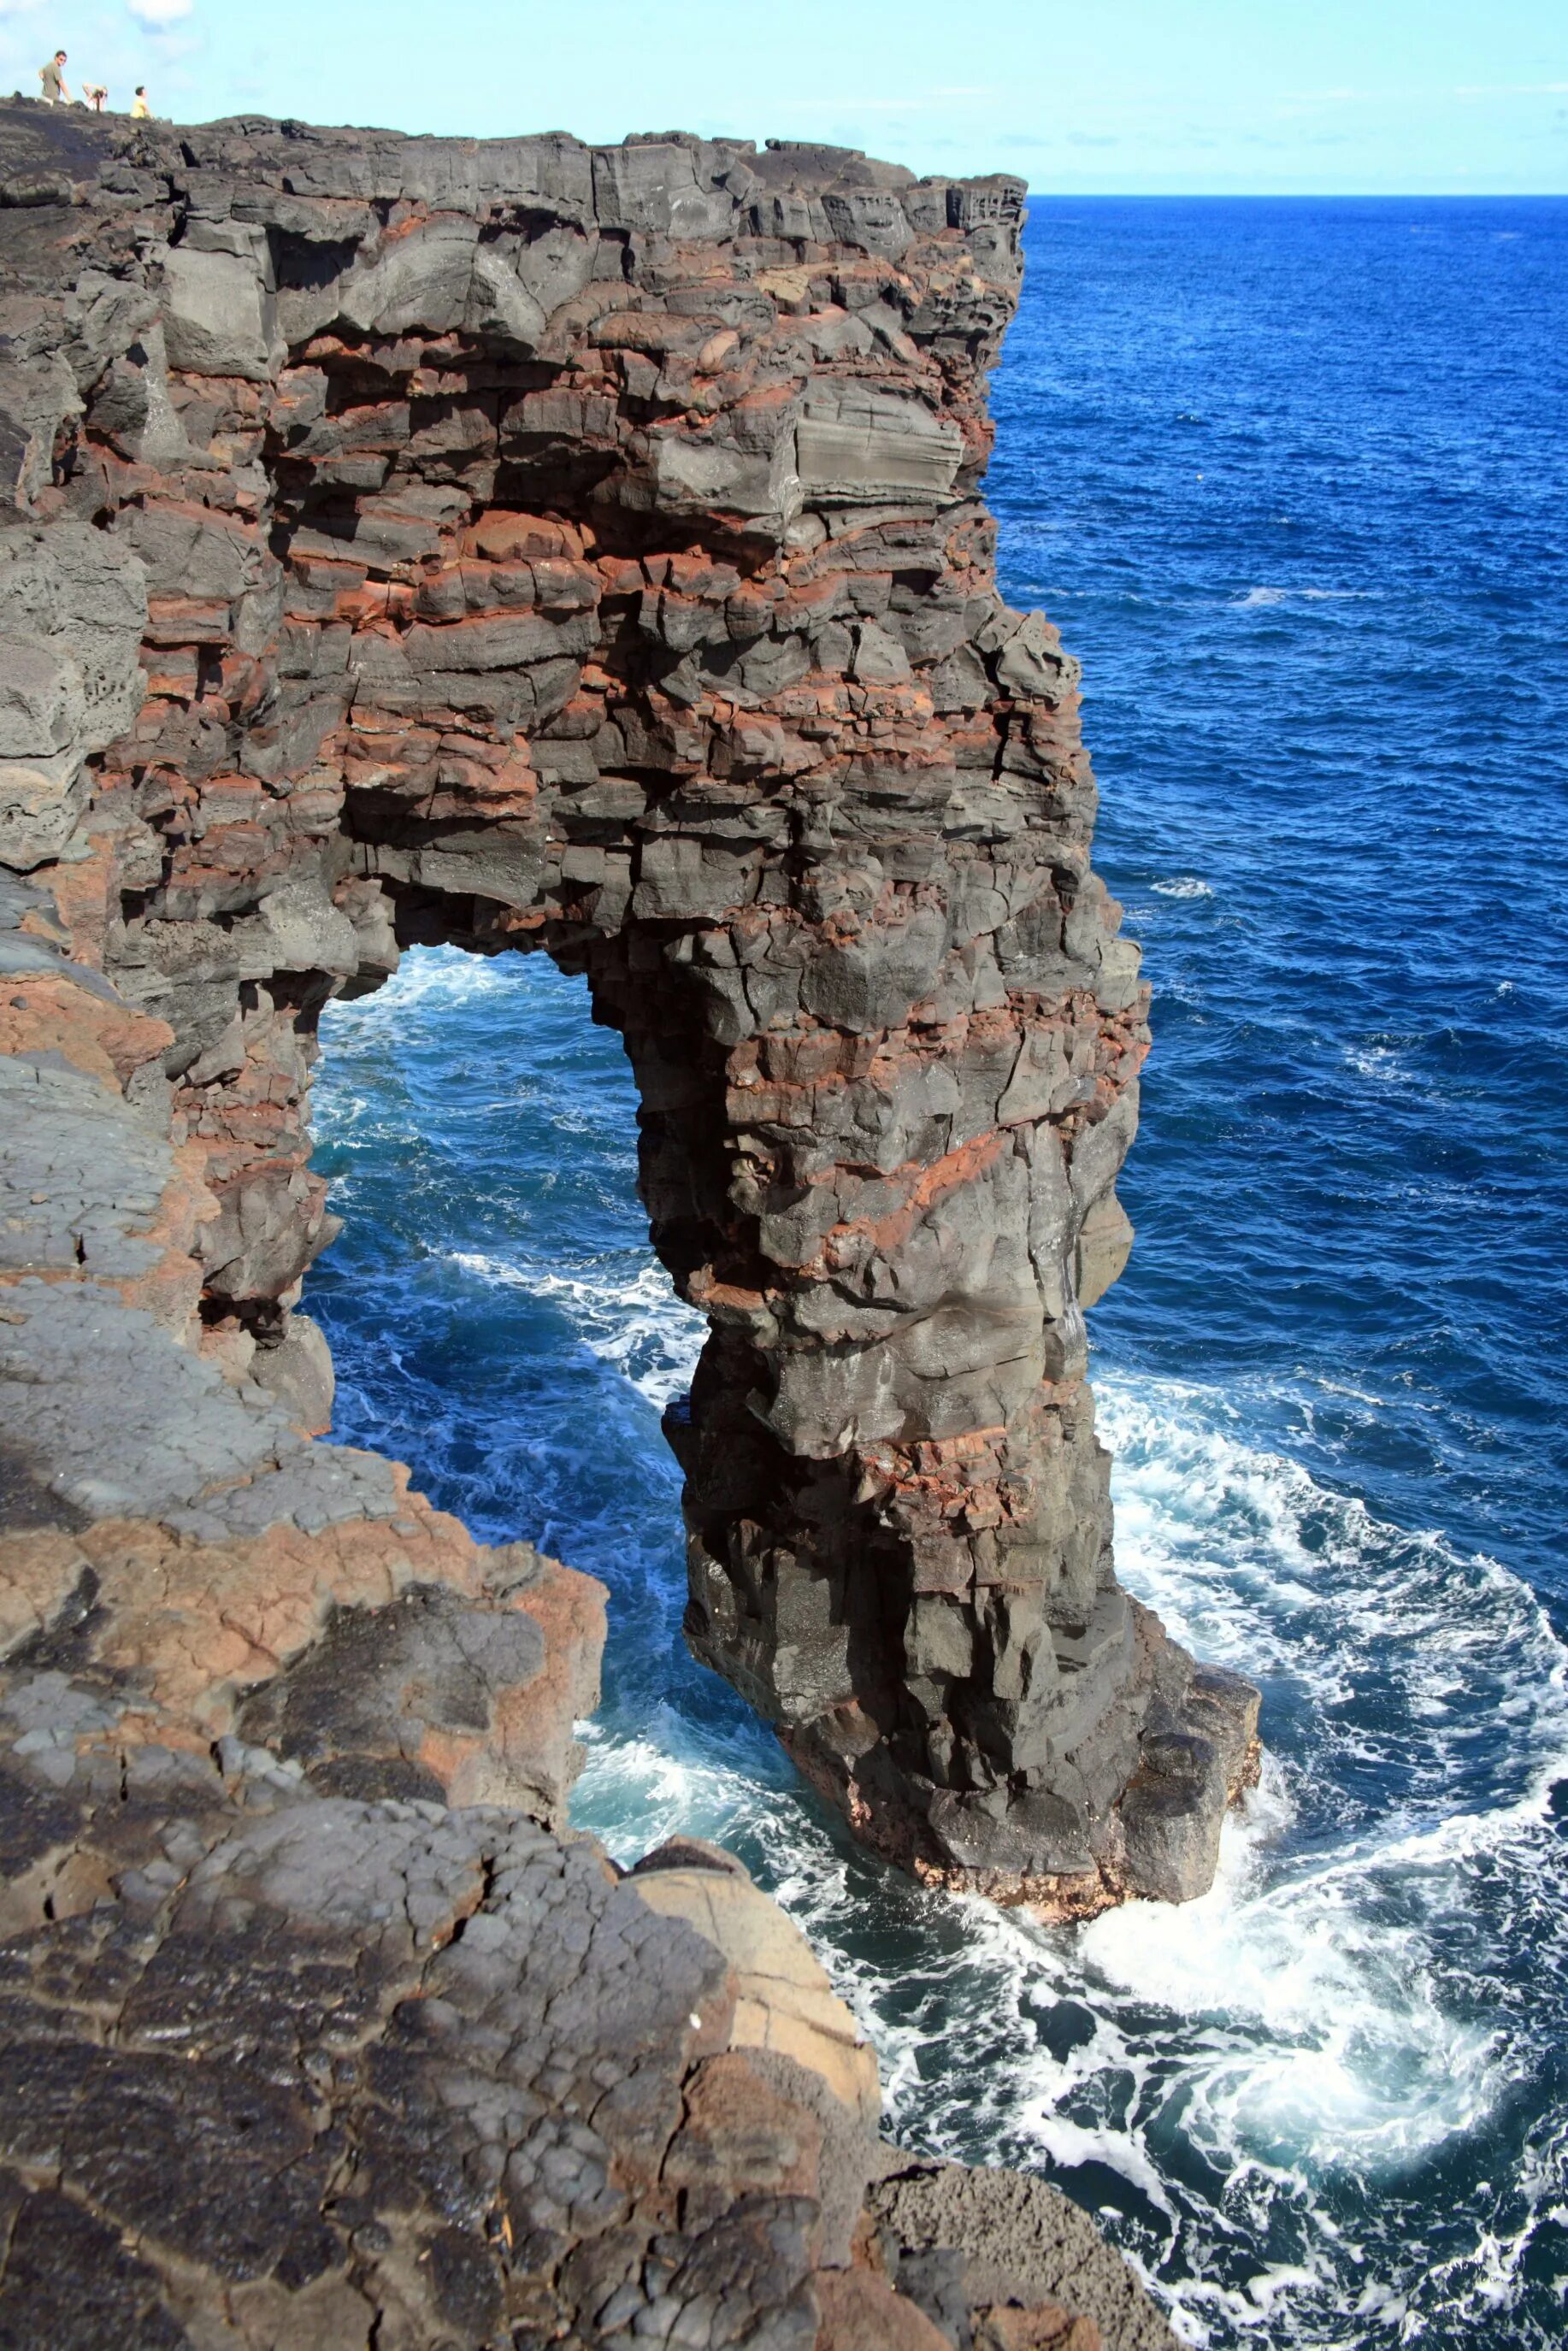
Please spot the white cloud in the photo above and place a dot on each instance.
(159, 13)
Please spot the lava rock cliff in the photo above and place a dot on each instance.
(522, 545)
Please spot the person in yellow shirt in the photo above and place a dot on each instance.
(140, 109)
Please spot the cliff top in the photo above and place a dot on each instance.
(661, 179)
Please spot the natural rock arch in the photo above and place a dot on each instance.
(531, 546)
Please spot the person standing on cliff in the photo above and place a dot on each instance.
(54, 80)
(140, 109)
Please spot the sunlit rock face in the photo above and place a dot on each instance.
(524, 545)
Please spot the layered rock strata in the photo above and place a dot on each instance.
(530, 546)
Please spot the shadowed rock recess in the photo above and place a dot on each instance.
(523, 545)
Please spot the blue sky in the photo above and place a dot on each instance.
(1135, 96)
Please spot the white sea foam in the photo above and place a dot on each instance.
(1256, 597)
(1253, 1562)
(1326, 2044)
(638, 1790)
(1325, 2011)
(430, 979)
(1384, 1064)
(627, 1315)
(1182, 885)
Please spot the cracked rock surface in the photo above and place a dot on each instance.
(523, 545)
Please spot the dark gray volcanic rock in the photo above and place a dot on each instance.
(530, 546)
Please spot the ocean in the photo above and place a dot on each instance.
(1292, 478)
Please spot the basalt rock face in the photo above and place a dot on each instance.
(522, 545)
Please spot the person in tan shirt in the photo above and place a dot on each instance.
(53, 78)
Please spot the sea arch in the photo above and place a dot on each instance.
(526, 547)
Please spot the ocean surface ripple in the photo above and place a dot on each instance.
(1293, 480)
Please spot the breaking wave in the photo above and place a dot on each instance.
(1255, 597)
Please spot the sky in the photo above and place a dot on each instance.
(1129, 97)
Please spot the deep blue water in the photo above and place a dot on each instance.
(1293, 478)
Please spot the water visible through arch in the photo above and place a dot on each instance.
(1261, 2094)
(498, 1315)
